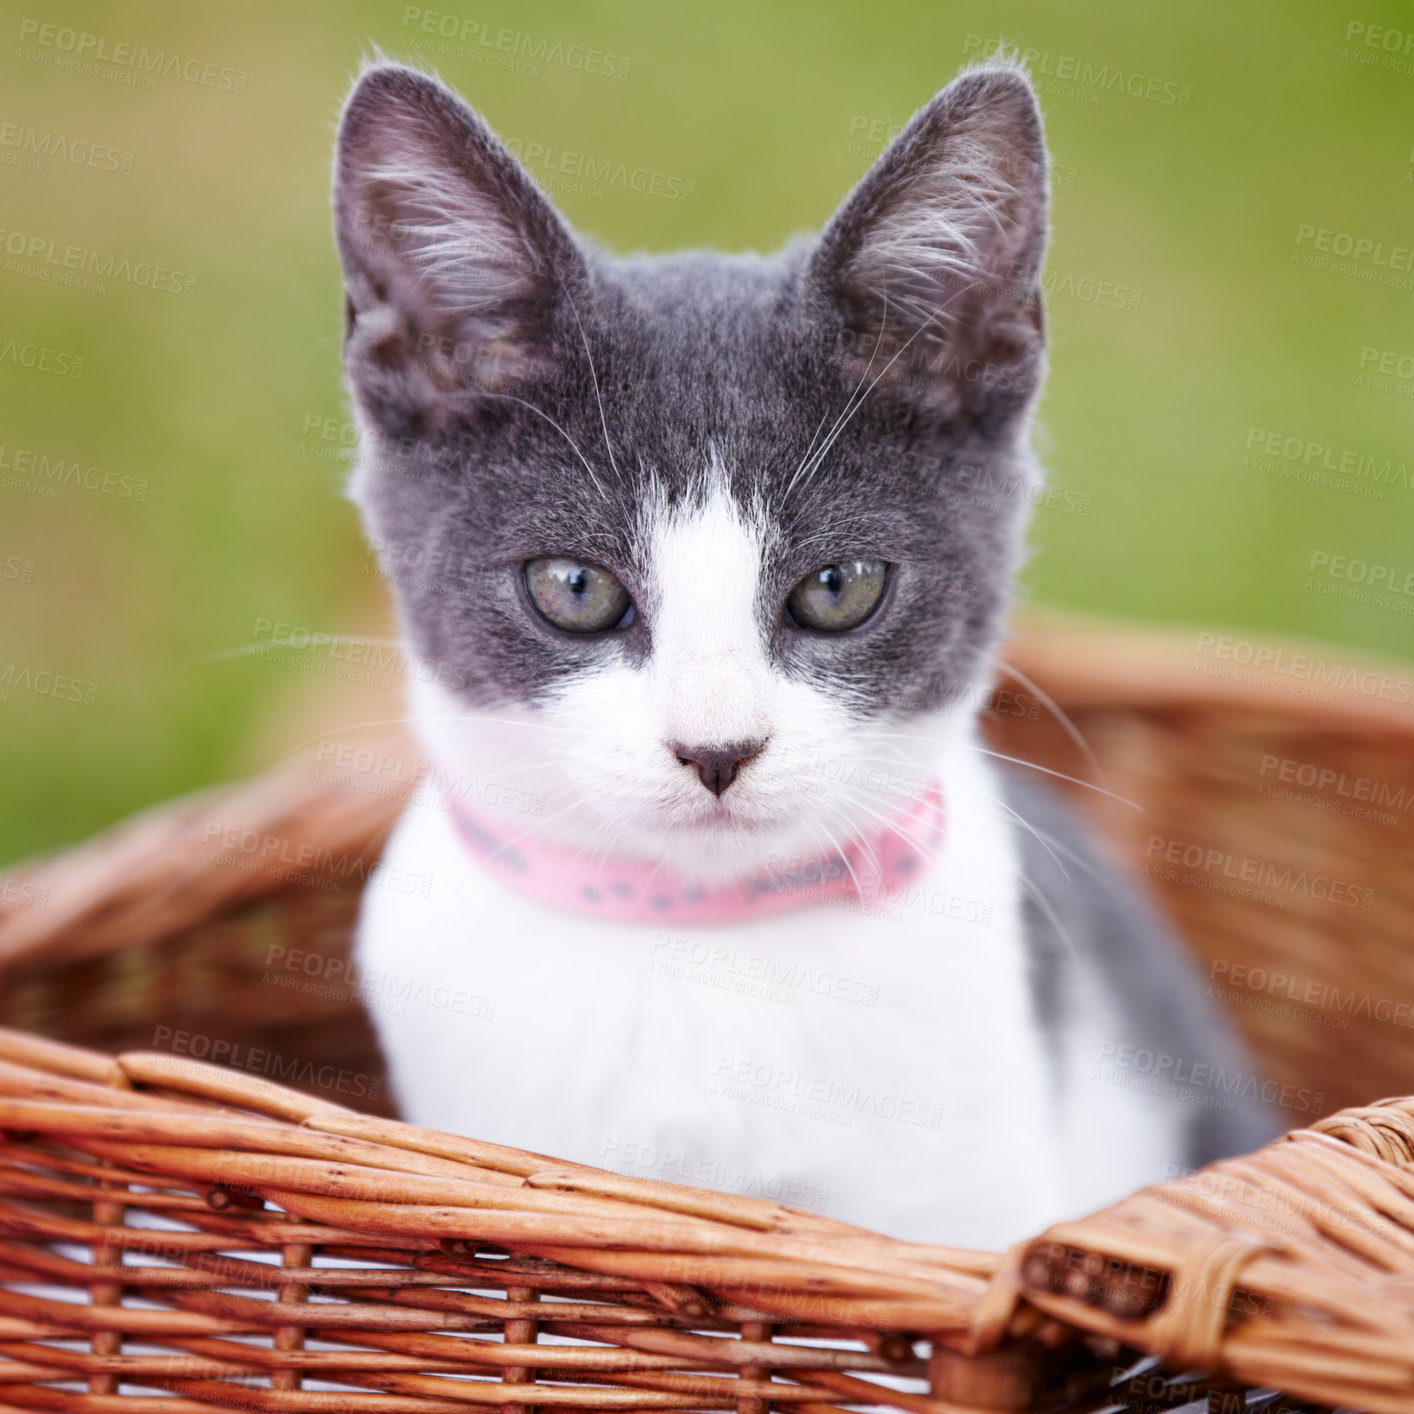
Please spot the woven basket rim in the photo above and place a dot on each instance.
(1088, 660)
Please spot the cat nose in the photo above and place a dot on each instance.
(717, 765)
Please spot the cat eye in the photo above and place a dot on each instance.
(576, 597)
(838, 597)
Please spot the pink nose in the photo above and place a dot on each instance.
(717, 766)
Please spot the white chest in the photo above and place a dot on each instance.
(858, 1063)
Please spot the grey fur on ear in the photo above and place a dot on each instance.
(454, 262)
(934, 259)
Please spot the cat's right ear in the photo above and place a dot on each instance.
(455, 264)
(934, 260)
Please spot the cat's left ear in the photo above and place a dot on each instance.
(933, 262)
(456, 267)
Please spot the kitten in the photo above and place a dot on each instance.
(724, 888)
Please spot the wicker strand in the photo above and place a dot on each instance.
(754, 1332)
(108, 1213)
(291, 1338)
(1188, 1332)
(520, 1330)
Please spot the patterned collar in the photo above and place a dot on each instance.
(868, 869)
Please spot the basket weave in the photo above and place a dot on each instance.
(238, 1244)
(169, 937)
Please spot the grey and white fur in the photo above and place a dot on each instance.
(711, 430)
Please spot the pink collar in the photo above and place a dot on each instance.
(870, 869)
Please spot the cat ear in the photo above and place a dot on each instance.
(933, 262)
(454, 263)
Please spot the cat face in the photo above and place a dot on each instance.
(723, 529)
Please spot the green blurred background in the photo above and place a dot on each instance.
(1263, 118)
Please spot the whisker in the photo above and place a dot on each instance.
(1002, 756)
(810, 448)
(224, 654)
(543, 821)
(893, 827)
(1035, 892)
(899, 760)
(594, 377)
(1031, 829)
(1064, 850)
(1059, 775)
(833, 845)
(511, 398)
(1054, 708)
(845, 411)
(614, 824)
(422, 717)
(520, 762)
(903, 348)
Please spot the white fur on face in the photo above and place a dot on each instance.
(709, 680)
(602, 753)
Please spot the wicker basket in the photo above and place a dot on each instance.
(233, 1243)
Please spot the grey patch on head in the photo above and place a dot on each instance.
(1096, 935)
(866, 392)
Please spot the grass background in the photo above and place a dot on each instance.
(767, 111)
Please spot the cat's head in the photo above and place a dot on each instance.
(722, 542)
